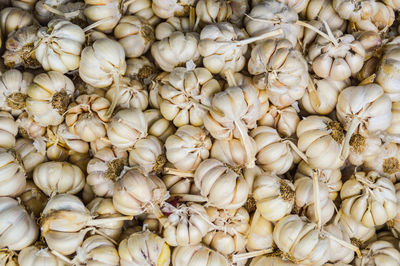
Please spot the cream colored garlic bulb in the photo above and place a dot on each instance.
(104, 169)
(339, 254)
(158, 126)
(386, 160)
(213, 11)
(86, 117)
(148, 154)
(12, 19)
(324, 11)
(285, 120)
(379, 253)
(197, 255)
(13, 88)
(24, 4)
(301, 241)
(336, 59)
(357, 232)
(322, 94)
(141, 8)
(187, 224)
(286, 71)
(135, 35)
(126, 127)
(271, 15)
(222, 187)
(48, 97)
(394, 224)
(140, 68)
(388, 71)
(136, 193)
(132, 94)
(369, 198)
(274, 196)
(394, 128)
(175, 50)
(44, 9)
(33, 199)
(259, 236)
(172, 24)
(105, 14)
(8, 130)
(363, 148)
(317, 135)
(28, 127)
(144, 248)
(219, 50)
(270, 261)
(47, 10)
(30, 153)
(178, 183)
(33, 255)
(18, 229)
(97, 250)
(12, 174)
(188, 147)
(170, 8)
(59, 46)
(229, 151)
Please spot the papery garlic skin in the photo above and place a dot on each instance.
(222, 186)
(140, 68)
(8, 130)
(32, 255)
(379, 253)
(158, 126)
(12, 19)
(133, 249)
(285, 68)
(323, 10)
(260, 233)
(48, 97)
(274, 196)
(33, 199)
(12, 173)
(31, 153)
(170, 8)
(142, 8)
(28, 127)
(18, 229)
(388, 72)
(103, 10)
(386, 160)
(97, 250)
(148, 153)
(197, 255)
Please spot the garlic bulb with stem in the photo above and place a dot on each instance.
(379, 253)
(97, 249)
(259, 236)
(358, 233)
(148, 154)
(30, 153)
(28, 127)
(8, 130)
(38, 254)
(103, 14)
(12, 18)
(324, 11)
(197, 255)
(386, 160)
(12, 174)
(141, 8)
(170, 8)
(285, 120)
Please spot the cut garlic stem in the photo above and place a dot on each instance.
(368, 80)
(100, 221)
(245, 138)
(189, 197)
(62, 257)
(97, 23)
(59, 13)
(115, 99)
(346, 146)
(192, 18)
(299, 152)
(230, 78)
(326, 36)
(312, 91)
(264, 36)
(317, 206)
(177, 172)
(344, 243)
(248, 255)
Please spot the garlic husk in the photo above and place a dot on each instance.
(158, 126)
(180, 183)
(379, 253)
(285, 120)
(33, 199)
(8, 130)
(148, 154)
(260, 233)
(170, 8)
(12, 18)
(105, 12)
(28, 127)
(141, 8)
(32, 255)
(97, 250)
(197, 255)
(31, 153)
(324, 11)
(12, 173)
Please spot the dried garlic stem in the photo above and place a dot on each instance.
(299, 152)
(192, 18)
(368, 80)
(355, 122)
(61, 14)
(326, 36)
(172, 171)
(248, 255)
(317, 206)
(62, 257)
(245, 138)
(312, 91)
(115, 99)
(345, 244)
(264, 36)
(97, 23)
(97, 222)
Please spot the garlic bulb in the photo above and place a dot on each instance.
(12, 174)
(219, 50)
(18, 228)
(104, 14)
(33, 255)
(271, 15)
(197, 255)
(395, 223)
(379, 253)
(12, 19)
(47, 10)
(8, 130)
(317, 135)
(24, 4)
(28, 127)
(130, 94)
(285, 120)
(178, 183)
(170, 8)
(141, 8)
(187, 224)
(369, 198)
(172, 24)
(260, 233)
(357, 232)
(388, 72)
(48, 97)
(274, 196)
(148, 153)
(340, 254)
(271, 261)
(286, 71)
(386, 160)
(13, 88)
(104, 169)
(126, 127)
(33, 199)
(229, 151)
(86, 117)
(188, 147)
(140, 68)
(136, 193)
(30, 153)
(97, 250)
(59, 46)
(337, 58)
(301, 241)
(135, 35)
(322, 94)
(157, 125)
(394, 128)
(144, 248)
(175, 50)
(222, 187)
(212, 11)
(324, 11)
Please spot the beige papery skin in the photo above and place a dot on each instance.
(136, 193)
(388, 71)
(135, 35)
(12, 19)
(339, 254)
(322, 94)
(259, 236)
(379, 253)
(386, 160)
(186, 94)
(172, 24)
(274, 196)
(144, 249)
(9, 130)
(170, 8)
(86, 117)
(104, 169)
(140, 68)
(273, 15)
(36, 255)
(175, 50)
(218, 49)
(301, 241)
(132, 94)
(17, 229)
(141, 8)
(30, 153)
(365, 14)
(97, 250)
(148, 154)
(48, 97)
(284, 120)
(222, 187)
(105, 12)
(270, 261)
(126, 127)
(188, 147)
(323, 10)
(197, 255)
(158, 126)
(229, 234)
(285, 69)
(12, 174)
(8, 258)
(394, 128)
(28, 127)
(369, 199)
(187, 224)
(43, 9)
(33, 199)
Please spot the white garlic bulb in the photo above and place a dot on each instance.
(12, 19)
(341, 253)
(388, 71)
(158, 126)
(28, 127)
(8, 130)
(33, 255)
(31, 153)
(172, 24)
(144, 248)
(97, 250)
(141, 8)
(140, 68)
(270, 261)
(379, 253)
(48, 97)
(148, 153)
(18, 228)
(33, 199)
(386, 160)
(357, 232)
(324, 11)
(260, 233)
(394, 128)
(285, 120)
(229, 151)
(213, 11)
(104, 14)
(180, 183)
(12, 174)
(197, 255)
(24, 4)
(170, 8)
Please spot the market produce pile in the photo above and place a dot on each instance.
(200, 132)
